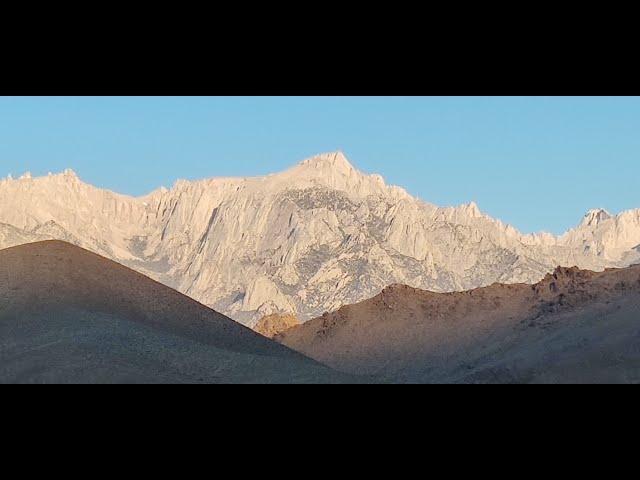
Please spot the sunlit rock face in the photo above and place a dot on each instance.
(308, 240)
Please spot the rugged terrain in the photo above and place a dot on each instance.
(71, 316)
(573, 327)
(308, 240)
(275, 324)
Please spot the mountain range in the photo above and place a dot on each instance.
(305, 241)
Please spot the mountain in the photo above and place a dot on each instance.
(308, 240)
(574, 326)
(71, 316)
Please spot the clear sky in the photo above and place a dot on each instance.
(538, 163)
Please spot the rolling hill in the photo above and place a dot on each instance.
(71, 316)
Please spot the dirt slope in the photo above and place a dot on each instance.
(70, 316)
(574, 326)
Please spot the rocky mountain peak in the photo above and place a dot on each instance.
(334, 171)
(595, 217)
(472, 209)
(335, 161)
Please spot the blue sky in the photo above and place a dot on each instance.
(538, 163)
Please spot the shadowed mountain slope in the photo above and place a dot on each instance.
(71, 316)
(573, 326)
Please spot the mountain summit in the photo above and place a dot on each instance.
(595, 217)
(329, 161)
(334, 171)
(317, 236)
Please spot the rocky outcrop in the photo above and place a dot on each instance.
(276, 324)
